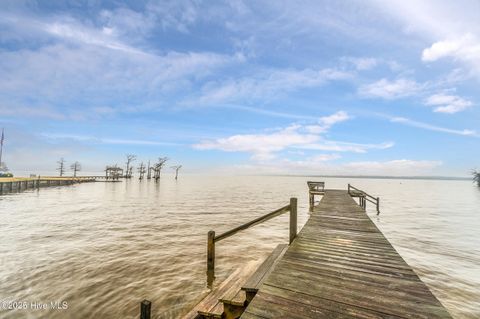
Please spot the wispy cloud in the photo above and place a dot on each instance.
(393, 167)
(100, 140)
(262, 111)
(326, 122)
(316, 165)
(430, 127)
(267, 84)
(361, 63)
(336, 146)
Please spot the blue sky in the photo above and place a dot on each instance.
(297, 87)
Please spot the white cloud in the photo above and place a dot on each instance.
(439, 50)
(324, 123)
(261, 145)
(264, 146)
(431, 127)
(444, 103)
(465, 48)
(450, 27)
(389, 90)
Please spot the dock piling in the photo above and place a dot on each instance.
(293, 219)
(145, 309)
(210, 257)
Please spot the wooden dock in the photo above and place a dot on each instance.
(341, 266)
(18, 184)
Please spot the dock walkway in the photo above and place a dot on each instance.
(341, 266)
(18, 184)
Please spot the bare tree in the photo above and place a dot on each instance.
(149, 171)
(61, 166)
(130, 159)
(141, 170)
(76, 167)
(158, 166)
(176, 168)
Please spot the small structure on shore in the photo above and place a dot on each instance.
(113, 172)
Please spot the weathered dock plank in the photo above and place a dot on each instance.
(342, 266)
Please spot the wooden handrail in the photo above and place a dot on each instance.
(314, 188)
(254, 222)
(212, 239)
(366, 197)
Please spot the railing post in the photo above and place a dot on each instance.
(378, 205)
(210, 257)
(348, 188)
(293, 219)
(145, 309)
(311, 200)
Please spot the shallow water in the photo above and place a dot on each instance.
(103, 247)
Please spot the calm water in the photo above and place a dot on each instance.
(103, 247)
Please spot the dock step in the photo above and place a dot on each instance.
(225, 300)
(229, 299)
(252, 285)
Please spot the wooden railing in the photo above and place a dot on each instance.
(212, 238)
(314, 188)
(363, 197)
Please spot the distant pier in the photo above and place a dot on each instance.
(340, 265)
(18, 184)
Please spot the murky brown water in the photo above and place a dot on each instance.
(103, 247)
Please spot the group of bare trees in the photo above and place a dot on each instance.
(75, 167)
(152, 171)
(155, 169)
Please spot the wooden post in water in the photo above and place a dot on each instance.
(293, 219)
(145, 309)
(378, 205)
(210, 258)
